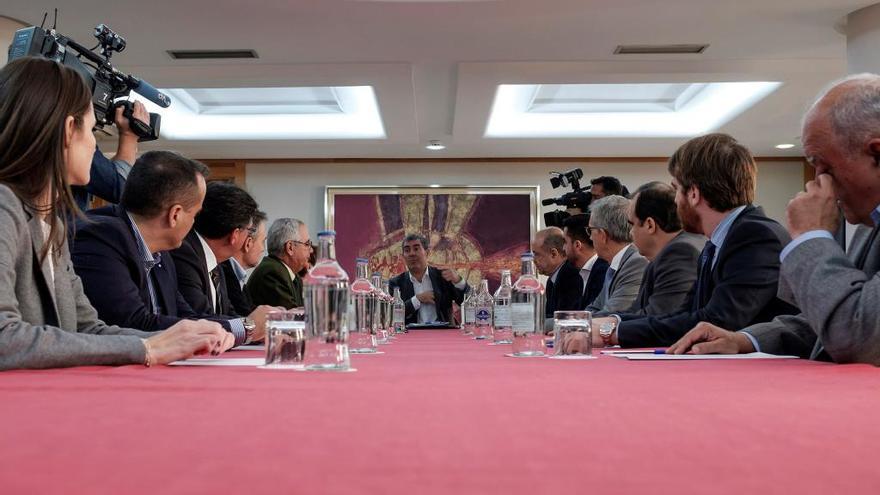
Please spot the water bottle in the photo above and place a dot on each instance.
(388, 304)
(379, 328)
(527, 311)
(483, 305)
(327, 295)
(399, 316)
(502, 326)
(468, 313)
(362, 338)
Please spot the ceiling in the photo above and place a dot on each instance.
(435, 65)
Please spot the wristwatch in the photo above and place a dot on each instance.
(250, 326)
(606, 330)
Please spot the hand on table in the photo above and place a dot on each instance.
(188, 338)
(706, 338)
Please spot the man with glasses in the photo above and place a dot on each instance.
(610, 232)
(235, 268)
(275, 281)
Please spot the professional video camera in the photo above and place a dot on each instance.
(578, 199)
(108, 84)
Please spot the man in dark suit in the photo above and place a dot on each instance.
(581, 253)
(714, 178)
(672, 252)
(276, 280)
(120, 252)
(427, 291)
(836, 291)
(565, 287)
(235, 268)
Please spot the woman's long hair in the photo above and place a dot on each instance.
(36, 96)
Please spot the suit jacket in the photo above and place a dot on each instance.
(194, 281)
(594, 282)
(566, 293)
(106, 256)
(270, 284)
(742, 286)
(238, 299)
(839, 301)
(669, 278)
(45, 319)
(444, 294)
(624, 286)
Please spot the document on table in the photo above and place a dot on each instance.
(250, 347)
(220, 362)
(642, 356)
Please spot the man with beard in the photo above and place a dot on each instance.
(714, 179)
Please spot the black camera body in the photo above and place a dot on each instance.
(108, 85)
(577, 199)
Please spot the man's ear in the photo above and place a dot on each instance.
(174, 215)
(693, 195)
(874, 150)
(650, 225)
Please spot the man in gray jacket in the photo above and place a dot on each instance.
(838, 293)
(610, 233)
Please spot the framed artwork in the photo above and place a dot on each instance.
(477, 231)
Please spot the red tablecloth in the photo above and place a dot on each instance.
(439, 413)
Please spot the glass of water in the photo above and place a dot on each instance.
(572, 332)
(285, 339)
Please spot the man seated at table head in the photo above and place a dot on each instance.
(672, 252)
(275, 281)
(610, 232)
(427, 291)
(565, 286)
(120, 252)
(838, 292)
(581, 253)
(714, 179)
(235, 268)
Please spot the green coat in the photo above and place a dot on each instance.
(270, 284)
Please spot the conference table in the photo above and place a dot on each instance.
(438, 412)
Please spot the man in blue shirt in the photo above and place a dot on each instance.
(837, 292)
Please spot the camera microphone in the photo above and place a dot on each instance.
(548, 202)
(147, 90)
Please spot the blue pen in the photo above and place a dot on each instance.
(659, 351)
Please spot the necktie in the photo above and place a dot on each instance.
(606, 286)
(215, 281)
(818, 349)
(701, 295)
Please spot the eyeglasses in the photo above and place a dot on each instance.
(308, 242)
(591, 229)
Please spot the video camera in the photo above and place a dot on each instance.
(107, 83)
(577, 199)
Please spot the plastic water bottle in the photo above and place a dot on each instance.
(388, 304)
(327, 295)
(379, 328)
(398, 320)
(468, 312)
(502, 326)
(527, 311)
(483, 306)
(362, 338)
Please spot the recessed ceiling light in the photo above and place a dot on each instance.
(332, 112)
(785, 146)
(683, 109)
(434, 185)
(435, 145)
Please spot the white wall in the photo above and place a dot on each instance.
(297, 189)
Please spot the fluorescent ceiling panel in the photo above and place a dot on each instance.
(619, 110)
(339, 112)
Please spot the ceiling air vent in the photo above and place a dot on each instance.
(211, 54)
(659, 49)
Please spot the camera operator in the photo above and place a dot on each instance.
(107, 177)
(607, 186)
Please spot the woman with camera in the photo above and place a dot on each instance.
(46, 145)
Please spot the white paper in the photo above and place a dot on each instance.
(693, 357)
(220, 362)
(572, 357)
(251, 347)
